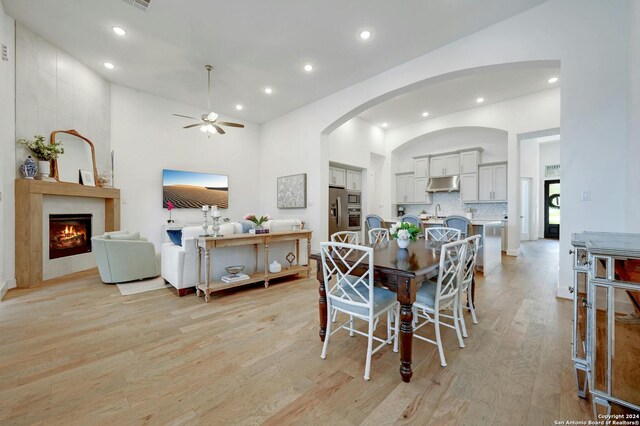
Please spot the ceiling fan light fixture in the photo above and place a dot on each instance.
(212, 116)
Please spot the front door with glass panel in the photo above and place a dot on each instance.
(552, 209)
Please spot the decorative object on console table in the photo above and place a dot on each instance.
(292, 191)
(404, 233)
(45, 153)
(29, 168)
(205, 221)
(290, 258)
(257, 220)
(170, 207)
(86, 178)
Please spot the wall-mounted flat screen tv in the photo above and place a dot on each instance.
(189, 190)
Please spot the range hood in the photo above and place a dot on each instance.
(444, 184)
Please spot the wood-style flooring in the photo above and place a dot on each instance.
(77, 352)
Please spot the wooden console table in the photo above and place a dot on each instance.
(205, 244)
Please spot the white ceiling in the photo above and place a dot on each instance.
(254, 43)
(459, 94)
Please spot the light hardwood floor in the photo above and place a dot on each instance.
(76, 352)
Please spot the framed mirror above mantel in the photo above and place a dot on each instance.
(79, 154)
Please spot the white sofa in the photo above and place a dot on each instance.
(179, 262)
(123, 257)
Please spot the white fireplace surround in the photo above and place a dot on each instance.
(53, 268)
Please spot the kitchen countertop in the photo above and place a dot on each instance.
(477, 222)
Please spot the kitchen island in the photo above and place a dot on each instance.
(490, 231)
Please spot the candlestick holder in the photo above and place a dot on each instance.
(205, 224)
(216, 226)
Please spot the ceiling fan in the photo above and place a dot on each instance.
(209, 123)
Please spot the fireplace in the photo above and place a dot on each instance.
(69, 234)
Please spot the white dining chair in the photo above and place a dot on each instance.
(443, 294)
(348, 237)
(357, 296)
(466, 285)
(378, 235)
(442, 234)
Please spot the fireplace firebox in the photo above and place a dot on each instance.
(69, 234)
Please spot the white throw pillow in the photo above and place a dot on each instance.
(127, 237)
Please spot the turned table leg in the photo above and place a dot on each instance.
(198, 270)
(322, 303)
(406, 297)
(309, 259)
(207, 271)
(266, 264)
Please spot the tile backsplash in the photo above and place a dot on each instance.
(451, 205)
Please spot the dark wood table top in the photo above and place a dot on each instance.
(421, 258)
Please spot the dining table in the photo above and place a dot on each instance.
(401, 270)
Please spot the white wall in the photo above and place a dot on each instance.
(530, 168)
(549, 154)
(352, 142)
(633, 171)
(7, 154)
(590, 38)
(54, 91)
(146, 138)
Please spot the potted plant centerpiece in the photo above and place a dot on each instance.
(404, 233)
(258, 221)
(45, 153)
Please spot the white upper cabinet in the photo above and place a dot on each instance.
(469, 187)
(337, 176)
(405, 188)
(469, 161)
(420, 191)
(444, 165)
(354, 180)
(492, 183)
(421, 167)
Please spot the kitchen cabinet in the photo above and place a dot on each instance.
(469, 161)
(337, 177)
(492, 183)
(405, 188)
(420, 193)
(444, 165)
(421, 167)
(354, 180)
(469, 187)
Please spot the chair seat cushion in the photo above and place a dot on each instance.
(382, 299)
(426, 295)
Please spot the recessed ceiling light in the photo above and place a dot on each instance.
(480, 100)
(308, 67)
(553, 79)
(109, 65)
(365, 35)
(385, 124)
(239, 107)
(119, 31)
(425, 114)
(268, 90)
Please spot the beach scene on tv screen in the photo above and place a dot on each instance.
(190, 190)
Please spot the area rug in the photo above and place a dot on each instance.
(135, 287)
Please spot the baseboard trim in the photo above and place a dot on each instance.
(5, 287)
(563, 293)
(516, 252)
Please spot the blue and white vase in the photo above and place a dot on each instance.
(29, 168)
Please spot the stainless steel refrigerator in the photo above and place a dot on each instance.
(338, 210)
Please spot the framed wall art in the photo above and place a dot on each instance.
(292, 191)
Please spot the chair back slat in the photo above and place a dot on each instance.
(443, 234)
(473, 244)
(452, 261)
(378, 235)
(347, 237)
(348, 288)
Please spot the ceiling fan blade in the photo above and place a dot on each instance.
(185, 116)
(228, 123)
(219, 129)
(192, 125)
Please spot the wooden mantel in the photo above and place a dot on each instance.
(29, 196)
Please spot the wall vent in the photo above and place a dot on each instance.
(139, 4)
(5, 53)
(552, 170)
